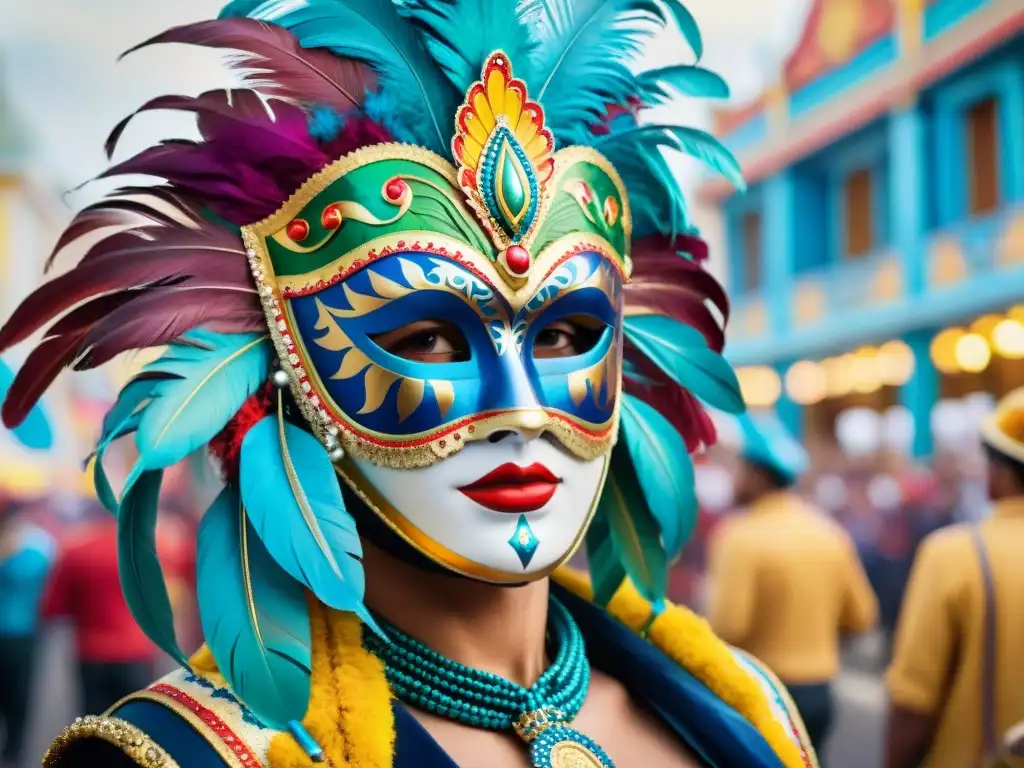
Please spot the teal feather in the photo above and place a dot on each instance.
(635, 530)
(582, 63)
(687, 25)
(239, 8)
(121, 420)
(603, 560)
(255, 617)
(682, 353)
(461, 56)
(35, 431)
(690, 141)
(291, 493)
(212, 375)
(142, 579)
(373, 31)
(687, 80)
(663, 469)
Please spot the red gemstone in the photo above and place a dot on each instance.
(518, 259)
(331, 218)
(396, 189)
(298, 230)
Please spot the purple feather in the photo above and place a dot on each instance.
(163, 315)
(283, 67)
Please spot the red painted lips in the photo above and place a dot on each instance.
(511, 488)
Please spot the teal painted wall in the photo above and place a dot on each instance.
(946, 14)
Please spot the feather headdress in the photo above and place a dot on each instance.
(320, 79)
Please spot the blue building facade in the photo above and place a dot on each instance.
(885, 217)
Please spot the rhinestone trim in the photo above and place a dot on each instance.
(132, 741)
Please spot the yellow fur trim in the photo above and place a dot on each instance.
(350, 713)
(790, 706)
(688, 640)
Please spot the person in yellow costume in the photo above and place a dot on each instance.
(786, 580)
(956, 682)
(430, 297)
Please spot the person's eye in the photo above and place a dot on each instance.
(426, 341)
(567, 338)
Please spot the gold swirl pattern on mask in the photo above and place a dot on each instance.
(350, 210)
(377, 381)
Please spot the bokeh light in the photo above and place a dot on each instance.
(1008, 339)
(895, 363)
(943, 350)
(806, 383)
(973, 353)
(760, 385)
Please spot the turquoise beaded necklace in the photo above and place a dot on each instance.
(539, 715)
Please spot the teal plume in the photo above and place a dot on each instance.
(291, 494)
(584, 55)
(461, 56)
(687, 26)
(663, 469)
(35, 431)
(690, 141)
(142, 578)
(209, 376)
(254, 615)
(604, 560)
(374, 32)
(657, 84)
(682, 353)
(120, 421)
(635, 531)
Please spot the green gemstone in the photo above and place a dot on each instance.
(512, 183)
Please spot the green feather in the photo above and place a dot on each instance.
(603, 560)
(635, 530)
(142, 579)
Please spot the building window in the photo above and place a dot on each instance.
(858, 213)
(750, 231)
(983, 156)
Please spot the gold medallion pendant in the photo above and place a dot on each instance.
(572, 754)
(553, 744)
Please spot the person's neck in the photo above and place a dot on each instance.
(497, 629)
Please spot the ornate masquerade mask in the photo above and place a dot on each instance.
(514, 240)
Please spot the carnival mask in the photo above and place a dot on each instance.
(457, 332)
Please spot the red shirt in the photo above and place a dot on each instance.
(85, 587)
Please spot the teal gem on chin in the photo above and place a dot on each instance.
(508, 183)
(523, 541)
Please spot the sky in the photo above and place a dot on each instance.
(66, 87)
